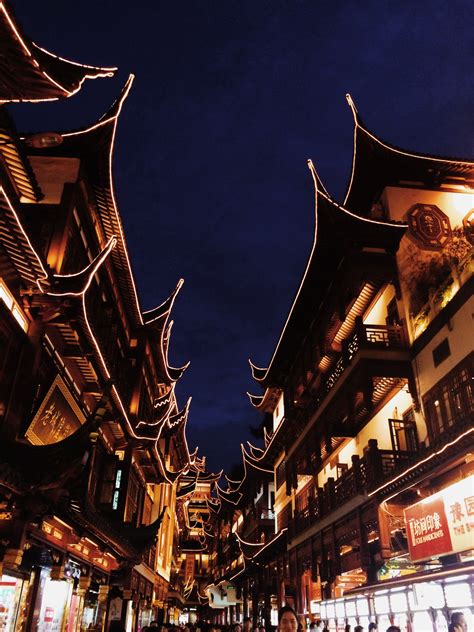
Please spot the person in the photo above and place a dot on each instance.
(116, 626)
(393, 628)
(319, 625)
(247, 624)
(458, 622)
(287, 619)
(237, 627)
(347, 628)
(358, 628)
(372, 627)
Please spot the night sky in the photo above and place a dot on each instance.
(230, 100)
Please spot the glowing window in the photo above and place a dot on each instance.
(7, 297)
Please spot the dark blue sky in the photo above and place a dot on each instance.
(231, 98)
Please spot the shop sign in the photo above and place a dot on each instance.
(72, 569)
(58, 416)
(442, 523)
(189, 568)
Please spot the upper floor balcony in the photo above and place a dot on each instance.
(381, 471)
(440, 290)
(371, 362)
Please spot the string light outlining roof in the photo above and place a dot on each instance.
(31, 73)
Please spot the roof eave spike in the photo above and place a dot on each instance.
(116, 107)
(164, 308)
(255, 369)
(354, 110)
(255, 400)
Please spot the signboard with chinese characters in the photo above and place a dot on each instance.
(58, 416)
(189, 568)
(443, 523)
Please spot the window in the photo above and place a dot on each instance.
(404, 435)
(108, 481)
(441, 352)
(280, 474)
(392, 313)
(451, 401)
(133, 498)
(146, 517)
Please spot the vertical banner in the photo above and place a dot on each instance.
(189, 568)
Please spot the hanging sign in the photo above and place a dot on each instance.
(442, 523)
(58, 416)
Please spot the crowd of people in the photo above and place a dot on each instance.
(288, 621)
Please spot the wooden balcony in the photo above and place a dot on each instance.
(366, 472)
(367, 340)
(373, 470)
(373, 362)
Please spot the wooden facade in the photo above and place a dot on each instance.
(368, 401)
(92, 440)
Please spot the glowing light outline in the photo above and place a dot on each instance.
(165, 332)
(119, 104)
(165, 400)
(179, 415)
(217, 503)
(166, 342)
(418, 463)
(93, 266)
(22, 230)
(248, 543)
(91, 334)
(256, 397)
(252, 448)
(171, 299)
(248, 459)
(358, 125)
(317, 187)
(254, 367)
(222, 497)
(107, 72)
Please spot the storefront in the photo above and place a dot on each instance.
(421, 606)
(420, 591)
(13, 602)
(53, 604)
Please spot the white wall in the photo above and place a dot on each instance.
(461, 343)
(398, 200)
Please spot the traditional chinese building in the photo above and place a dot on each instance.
(368, 401)
(92, 440)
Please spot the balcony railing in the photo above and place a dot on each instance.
(376, 468)
(366, 472)
(365, 337)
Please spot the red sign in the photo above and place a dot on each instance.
(442, 523)
(48, 614)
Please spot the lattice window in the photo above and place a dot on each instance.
(451, 400)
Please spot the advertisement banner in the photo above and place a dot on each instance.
(442, 523)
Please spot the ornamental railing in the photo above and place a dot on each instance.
(366, 472)
(365, 337)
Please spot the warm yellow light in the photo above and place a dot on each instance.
(7, 297)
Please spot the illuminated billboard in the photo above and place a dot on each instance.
(442, 523)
